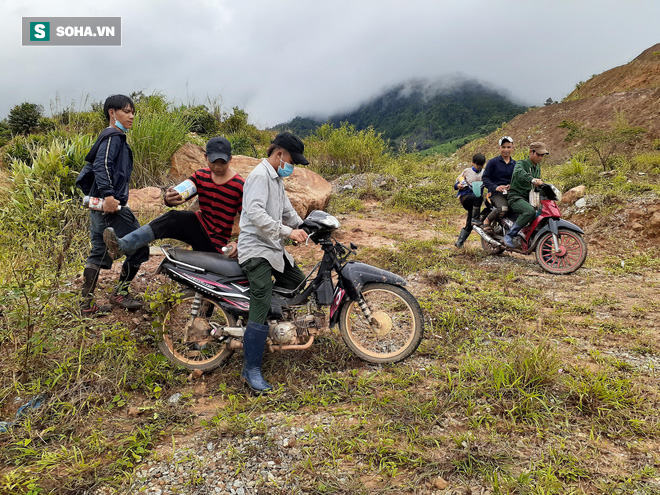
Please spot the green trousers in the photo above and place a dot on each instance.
(526, 212)
(260, 275)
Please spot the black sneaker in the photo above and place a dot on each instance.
(125, 301)
(93, 309)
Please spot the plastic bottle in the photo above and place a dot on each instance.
(95, 204)
(186, 189)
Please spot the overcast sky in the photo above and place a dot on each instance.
(282, 58)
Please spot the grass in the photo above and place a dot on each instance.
(524, 383)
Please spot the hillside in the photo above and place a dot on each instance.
(642, 72)
(633, 89)
(424, 114)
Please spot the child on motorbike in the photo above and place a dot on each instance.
(107, 175)
(220, 193)
(268, 219)
(469, 200)
(526, 175)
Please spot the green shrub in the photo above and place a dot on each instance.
(154, 138)
(576, 172)
(200, 120)
(24, 117)
(242, 144)
(604, 146)
(147, 104)
(646, 162)
(23, 148)
(5, 134)
(49, 177)
(243, 136)
(344, 203)
(423, 197)
(92, 122)
(340, 150)
(46, 124)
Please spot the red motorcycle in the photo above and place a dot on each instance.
(557, 243)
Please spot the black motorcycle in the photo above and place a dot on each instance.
(379, 320)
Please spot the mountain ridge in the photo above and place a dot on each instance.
(423, 113)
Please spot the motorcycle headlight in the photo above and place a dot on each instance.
(557, 193)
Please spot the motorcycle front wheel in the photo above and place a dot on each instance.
(571, 255)
(396, 328)
(187, 341)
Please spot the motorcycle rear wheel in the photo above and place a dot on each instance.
(399, 329)
(572, 255)
(490, 248)
(187, 342)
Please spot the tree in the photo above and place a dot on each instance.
(24, 117)
(605, 144)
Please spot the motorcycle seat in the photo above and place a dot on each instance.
(213, 262)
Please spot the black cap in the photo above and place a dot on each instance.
(217, 148)
(293, 145)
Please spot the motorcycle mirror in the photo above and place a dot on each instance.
(353, 246)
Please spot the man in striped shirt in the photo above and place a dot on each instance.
(220, 193)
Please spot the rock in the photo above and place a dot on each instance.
(306, 190)
(146, 200)
(185, 161)
(195, 375)
(440, 483)
(175, 398)
(572, 195)
(581, 203)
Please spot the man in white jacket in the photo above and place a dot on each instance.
(267, 220)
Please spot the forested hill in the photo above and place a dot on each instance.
(425, 115)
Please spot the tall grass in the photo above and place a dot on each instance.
(334, 151)
(154, 139)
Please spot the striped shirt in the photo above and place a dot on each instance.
(218, 205)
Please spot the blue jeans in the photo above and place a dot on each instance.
(124, 222)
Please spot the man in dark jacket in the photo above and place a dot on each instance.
(106, 176)
(496, 179)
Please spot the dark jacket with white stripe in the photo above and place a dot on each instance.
(112, 165)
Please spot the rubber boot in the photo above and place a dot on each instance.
(121, 297)
(88, 306)
(118, 247)
(254, 342)
(476, 215)
(461, 238)
(508, 238)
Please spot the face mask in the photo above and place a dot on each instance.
(119, 126)
(285, 169)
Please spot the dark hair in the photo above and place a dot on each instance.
(272, 148)
(117, 102)
(478, 159)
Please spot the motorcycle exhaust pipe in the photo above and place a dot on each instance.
(486, 237)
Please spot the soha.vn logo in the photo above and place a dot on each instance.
(40, 31)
